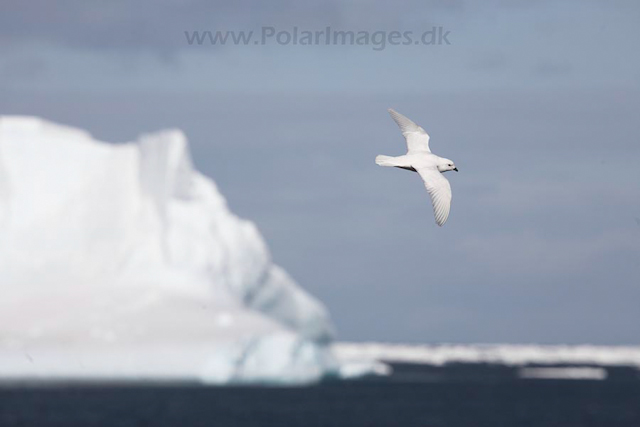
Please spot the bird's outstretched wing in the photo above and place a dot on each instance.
(417, 138)
(440, 191)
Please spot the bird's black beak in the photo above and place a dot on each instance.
(455, 169)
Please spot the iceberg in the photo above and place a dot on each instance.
(502, 354)
(122, 262)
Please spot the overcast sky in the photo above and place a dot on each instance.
(537, 103)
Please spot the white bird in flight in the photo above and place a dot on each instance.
(419, 158)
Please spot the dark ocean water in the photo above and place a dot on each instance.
(463, 395)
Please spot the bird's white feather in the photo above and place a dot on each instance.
(440, 191)
(417, 138)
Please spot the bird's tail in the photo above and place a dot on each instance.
(383, 160)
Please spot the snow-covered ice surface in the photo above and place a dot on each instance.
(121, 261)
(505, 354)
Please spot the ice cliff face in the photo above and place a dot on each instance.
(122, 261)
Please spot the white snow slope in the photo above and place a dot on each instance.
(121, 261)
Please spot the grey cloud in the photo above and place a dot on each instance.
(22, 68)
(552, 68)
(160, 25)
(126, 25)
(489, 61)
